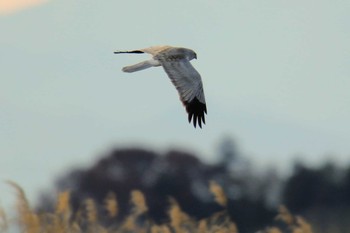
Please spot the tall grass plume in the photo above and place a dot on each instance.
(218, 192)
(89, 218)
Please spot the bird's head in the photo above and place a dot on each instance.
(192, 55)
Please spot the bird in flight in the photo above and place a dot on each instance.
(176, 63)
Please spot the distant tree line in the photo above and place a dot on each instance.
(322, 195)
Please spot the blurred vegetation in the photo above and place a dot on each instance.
(240, 198)
(88, 219)
(175, 174)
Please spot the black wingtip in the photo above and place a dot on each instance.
(196, 111)
(134, 51)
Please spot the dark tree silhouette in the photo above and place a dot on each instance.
(322, 194)
(174, 174)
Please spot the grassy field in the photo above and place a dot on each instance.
(88, 218)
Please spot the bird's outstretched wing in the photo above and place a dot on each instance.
(188, 83)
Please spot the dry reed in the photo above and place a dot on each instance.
(88, 219)
(3, 221)
(111, 205)
(218, 192)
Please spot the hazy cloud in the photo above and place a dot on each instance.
(9, 7)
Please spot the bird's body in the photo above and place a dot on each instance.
(176, 63)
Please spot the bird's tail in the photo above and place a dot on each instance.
(140, 66)
(133, 51)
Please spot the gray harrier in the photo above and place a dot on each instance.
(176, 63)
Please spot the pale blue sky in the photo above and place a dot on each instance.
(276, 77)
